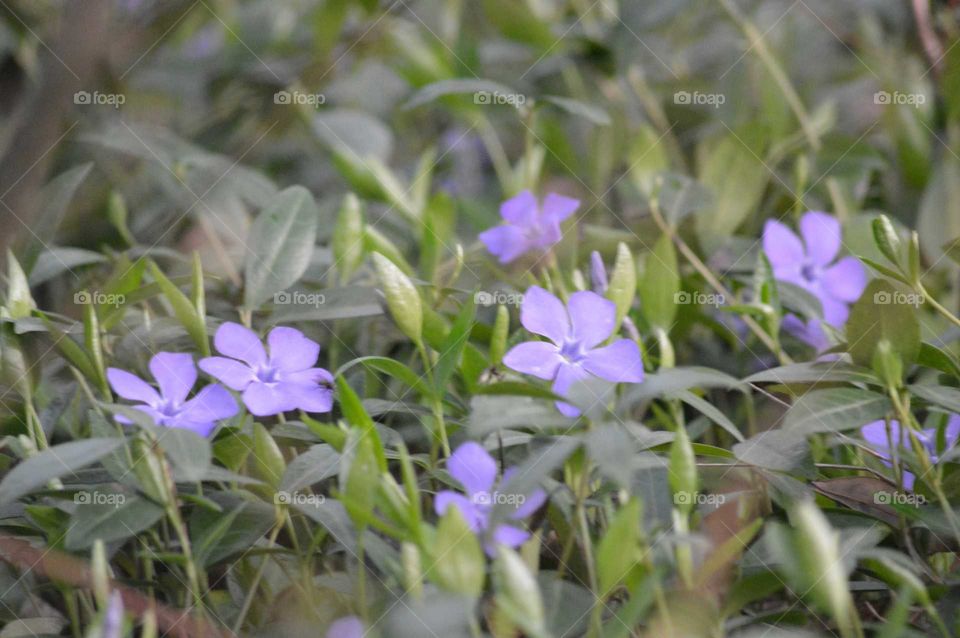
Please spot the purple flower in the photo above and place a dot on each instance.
(175, 374)
(809, 263)
(575, 330)
(283, 381)
(476, 471)
(598, 273)
(809, 331)
(528, 226)
(875, 434)
(346, 627)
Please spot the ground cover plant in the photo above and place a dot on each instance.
(498, 318)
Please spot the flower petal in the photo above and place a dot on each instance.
(474, 516)
(239, 342)
(175, 373)
(531, 504)
(846, 279)
(506, 242)
(473, 467)
(510, 536)
(233, 374)
(520, 210)
(538, 358)
(310, 398)
(544, 314)
(835, 312)
(593, 317)
(267, 399)
(310, 376)
(810, 331)
(131, 387)
(291, 350)
(567, 375)
(557, 208)
(781, 245)
(821, 235)
(619, 362)
(201, 429)
(212, 403)
(346, 627)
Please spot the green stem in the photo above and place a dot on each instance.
(252, 591)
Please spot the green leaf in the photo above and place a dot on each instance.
(883, 312)
(589, 112)
(124, 516)
(943, 396)
(660, 285)
(887, 239)
(457, 557)
(623, 282)
(403, 300)
(733, 170)
(453, 346)
(268, 461)
(347, 240)
(393, 368)
(684, 479)
(835, 410)
(618, 553)
(458, 86)
(18, 302)
(280, 245)
(357, 416)
(184, 310)
(813, 372)
(316, 464)
(52, 463)
(779, 450)
(189, 453)
(517, 593)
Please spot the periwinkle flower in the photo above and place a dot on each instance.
(875, 434)
(598, 273)
(176, 374)
(575, 332)
(810, 331)
(346, 627)
(811, 263)
(476, 471)
(529, 225)
(271, 384)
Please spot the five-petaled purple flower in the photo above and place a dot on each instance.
(476, 471)
(875, 434)
(575, 330)
(529, 226)
(175, 373)
(811, 264)
(283, 381)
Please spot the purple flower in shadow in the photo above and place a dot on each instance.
(875, 434)
(176, 374)
(476, 471)
(529, 226)
(575, 332)
(283, 381)
(346, 627)
(809, 331)
(811, 264)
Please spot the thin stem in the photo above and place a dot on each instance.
(248, 600)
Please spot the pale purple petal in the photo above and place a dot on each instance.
(593, 318)
(810, 332)
(510, 536)
(203, 429)
(347, 627)
(875, 434)
(619, 362)
(474, 516)
(506, 242)
(781, 245)
(239, 342)
(291, 350)
(520, 210)
(473, 467)
(175, 374)
(546, 235)
(146, 409)
(538, 358)
(310, 376)
(557, 208)
(821, 234)
(598, 273)
(846, 279)
(212, 403)
(310, 398)
(131, 387)
(835, 312)
(267, 399)
(544, 314)
(952, 431)
(232, 373)
(567, 375)
(531, 504)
